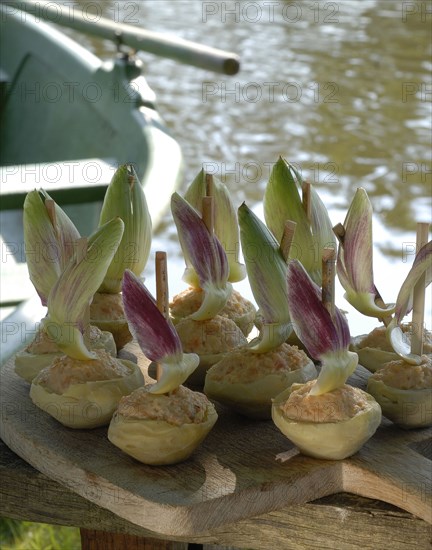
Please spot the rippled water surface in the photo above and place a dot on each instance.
(342, 89)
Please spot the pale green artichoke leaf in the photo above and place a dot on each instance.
(421, 265)
(214, 300)
(66, 232)
(365, 303)
(322, 228)
(266, 268)
(282, 202)
(401, 344)
(174, 372)
(49, 244)
(125, 198)
(71, 295)
(271, 336)
(336, 368)
(225, 225)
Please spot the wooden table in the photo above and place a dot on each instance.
(213, 498)
(340, 521)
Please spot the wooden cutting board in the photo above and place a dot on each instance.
(233, 475)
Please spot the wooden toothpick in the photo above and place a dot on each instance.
(209, 185)
(162, 295)
(306, 199)
(328, 279)
(287, 238)
(419, 296)
(207, 205)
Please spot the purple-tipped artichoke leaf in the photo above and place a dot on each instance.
(225, 223)
(308, 314)
(203, 249)
(155, 334)
(357, 250)
(312, 322)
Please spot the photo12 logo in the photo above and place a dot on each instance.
(270, 11)
(420, 11)
(270, 92)
(87, 12)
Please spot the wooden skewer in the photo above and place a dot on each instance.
(306, 199)
(209, 185)
(419, 297)
(207, 205)
(208, 213)
(162, 294)
(287, 238)
(328, 279)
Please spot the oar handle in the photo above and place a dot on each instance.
(184, 51)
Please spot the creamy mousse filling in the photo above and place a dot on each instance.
(181, 406)
(65, 371)
(335, 406)
(404, 376)
(243, 366)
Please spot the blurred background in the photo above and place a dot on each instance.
(341, 89)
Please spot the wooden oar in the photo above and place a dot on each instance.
(184, 51)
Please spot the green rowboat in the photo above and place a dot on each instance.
(69, 119)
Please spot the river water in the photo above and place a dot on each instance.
(341, 89)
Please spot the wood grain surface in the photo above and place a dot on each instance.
(234, 475)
